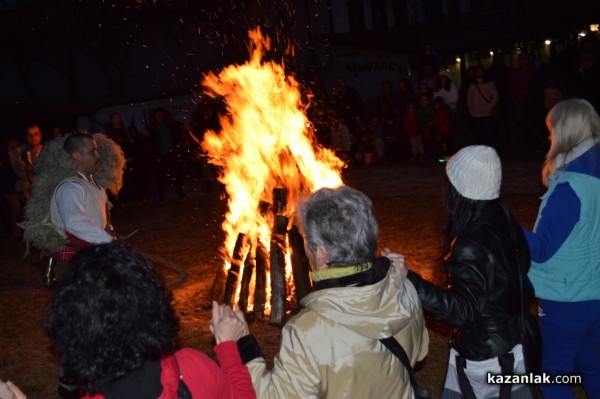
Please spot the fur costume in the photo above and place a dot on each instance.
(54, 165)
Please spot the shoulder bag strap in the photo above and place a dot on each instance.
(394, 346)
(480, 92)
(183, 392)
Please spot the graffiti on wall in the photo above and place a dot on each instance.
(369, 67)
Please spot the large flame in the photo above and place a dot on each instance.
(266, 142)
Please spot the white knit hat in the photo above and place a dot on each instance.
(476, 172)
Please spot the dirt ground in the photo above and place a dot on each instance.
(185, 233)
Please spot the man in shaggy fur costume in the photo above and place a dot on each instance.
(68, 208)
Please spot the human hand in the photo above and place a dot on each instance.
(397, 260)
(226, 324)
(8, 390)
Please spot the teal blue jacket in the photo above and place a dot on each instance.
(572, 274)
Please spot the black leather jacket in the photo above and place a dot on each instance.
(483, 298)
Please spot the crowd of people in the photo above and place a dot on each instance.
(361, 329)
(113, 323)
(431, 116)
(159, 156)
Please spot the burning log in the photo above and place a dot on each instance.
(260, 282)
(249, 266)
(278, 236)
(300, 265)
(261, 266)
(234, 269)
(278, 288)
(217, 288)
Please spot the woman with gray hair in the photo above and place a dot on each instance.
(332, 347)
(565, 249)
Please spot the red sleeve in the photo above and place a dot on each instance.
(445, 120)
(237, 373)
(410, 126)
(232, 381)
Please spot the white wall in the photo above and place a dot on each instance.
(365, 70)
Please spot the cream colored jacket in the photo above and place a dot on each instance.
(331, 348)
(478, 105)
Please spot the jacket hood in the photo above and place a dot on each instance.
(377, 311)
(585, 159)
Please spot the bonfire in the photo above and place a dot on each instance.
(268, 158)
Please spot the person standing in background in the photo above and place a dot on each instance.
(406, 95)
(11, 173)
(116, 131)
(166, 138)
(56, 133)
(482, 98)
(441, 127)
(347, 104)
(409, 123)
(447, 90)
(30, 154)
(519, 86)
(425, 116)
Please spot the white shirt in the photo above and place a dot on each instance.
(450, 96)
(78, 206)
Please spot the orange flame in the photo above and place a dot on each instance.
(266, 142)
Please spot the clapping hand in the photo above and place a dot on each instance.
(227, 324)
(397, 261)
(8, 390)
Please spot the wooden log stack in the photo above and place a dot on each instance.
(250, 257)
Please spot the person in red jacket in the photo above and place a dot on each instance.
(115, 329)
(441, 125)
(410, 129)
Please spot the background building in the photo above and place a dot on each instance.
(66, 58)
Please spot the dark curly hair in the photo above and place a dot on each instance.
(110, 313)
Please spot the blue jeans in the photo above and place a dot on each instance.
(571, 345)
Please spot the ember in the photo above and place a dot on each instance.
(267, 158)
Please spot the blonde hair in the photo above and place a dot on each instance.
(570, 122)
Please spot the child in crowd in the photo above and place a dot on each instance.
(441, 126)
(410, 129)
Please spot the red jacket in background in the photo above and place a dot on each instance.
(443, 121)
(410, 124)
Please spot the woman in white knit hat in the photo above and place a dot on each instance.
(487, 260)
(565, 249)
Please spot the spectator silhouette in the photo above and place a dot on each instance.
(166, 139)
